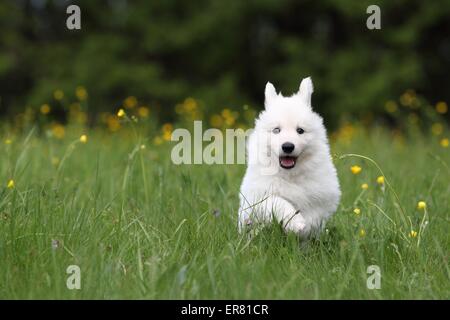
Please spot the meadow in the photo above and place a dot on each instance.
(140, 227)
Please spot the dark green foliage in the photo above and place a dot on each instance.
(223, 52)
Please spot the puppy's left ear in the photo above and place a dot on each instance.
(305, 91)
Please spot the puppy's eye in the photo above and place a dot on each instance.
(300, 131)
(276, 130)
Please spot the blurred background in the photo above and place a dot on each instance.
(211, 59)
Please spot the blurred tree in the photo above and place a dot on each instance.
(223, 52)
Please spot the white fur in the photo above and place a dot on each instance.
(301, 198)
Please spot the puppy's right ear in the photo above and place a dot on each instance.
(270, 93)
(305, 91)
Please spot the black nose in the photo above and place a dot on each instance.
(288, 147)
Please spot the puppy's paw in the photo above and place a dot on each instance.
(296, 224)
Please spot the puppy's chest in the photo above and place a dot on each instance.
(297, 193)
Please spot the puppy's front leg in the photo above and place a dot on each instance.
(274, 207)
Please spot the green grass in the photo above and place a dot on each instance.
(143, 228)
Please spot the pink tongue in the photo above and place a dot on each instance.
(287, 161)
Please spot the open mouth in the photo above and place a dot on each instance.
(287, 162)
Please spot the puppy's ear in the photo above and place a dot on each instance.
(305, 91)
(270, 93)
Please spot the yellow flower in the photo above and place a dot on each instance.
(230, 121)
(437, 128)
(58, 131)
(81, 93)
(190, 104)
(216, 121)
(121, 113)
(421, 205)
(364, 186)
(142, 146)
(167, 135)
(10, 184)
(441, 107)
(380, 180)
(130, 102)
(113, 123)
(362, 233)
(391, 106)
(158, 141)
(83, 138)
(357, 211)
(356, 169)
(412, 234)
(45, 109)
(80, 117)
(8, 141)
(226, 113)
(444, 143)
(58, 94)
(143, 112)
(346, 133)
(167, 127)
(407, 98)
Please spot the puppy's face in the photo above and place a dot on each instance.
(289, 125)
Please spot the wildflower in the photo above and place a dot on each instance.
(130, 102)
(113, 123)
(230, 121)
(380, 180)
(226, 113)
(228, 116)
(421, 205)
(8, 141)
(167, 135)
(190, 105)
(407, 98)
(357, 211)
(391, 106)
(364, 186)
(81, 93)
(412, 234)
(441, 107)
(10, 184)
(362, 233)
(143, 112)
(58, 131)
(83, 138)
(121, 113)
(80, 117)
(356, 169)
(437, 129)
(158, 141)
(45, 109)
(346, 133)
(167, 127)
(216, 121)
(444, 143)
(58, 94)
(142, 147)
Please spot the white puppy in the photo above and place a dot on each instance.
(290, 175)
